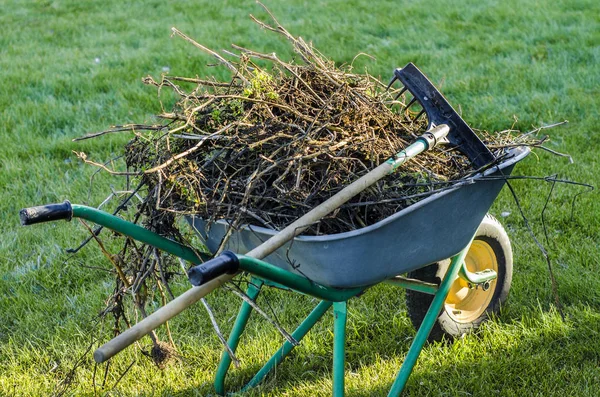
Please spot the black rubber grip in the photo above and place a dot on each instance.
(227, 262)
(46, 213)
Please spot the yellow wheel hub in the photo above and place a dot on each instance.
(464, 304)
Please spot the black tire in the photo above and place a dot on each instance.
(491, 243)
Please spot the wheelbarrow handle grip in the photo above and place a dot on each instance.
(227, 262)
(46, 213)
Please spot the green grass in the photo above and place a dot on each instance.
(69, 68)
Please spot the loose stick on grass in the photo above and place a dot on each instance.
(236, 361)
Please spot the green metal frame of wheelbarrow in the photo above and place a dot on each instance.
(268, 273)
(265, 273)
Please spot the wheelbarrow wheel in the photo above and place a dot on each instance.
(466, 308)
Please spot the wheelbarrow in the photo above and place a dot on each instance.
(454, 260)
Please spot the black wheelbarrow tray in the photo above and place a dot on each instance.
(449, 296)
(433, 229)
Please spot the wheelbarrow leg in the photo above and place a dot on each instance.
(339, 347)
(287, 347)
(236, 332)
(428, 322)
(239, 326)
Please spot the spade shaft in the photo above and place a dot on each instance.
(427, 141)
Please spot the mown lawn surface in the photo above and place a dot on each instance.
(72, 67)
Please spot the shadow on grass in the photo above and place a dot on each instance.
(539, 355)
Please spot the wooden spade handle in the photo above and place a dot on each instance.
(193, 295)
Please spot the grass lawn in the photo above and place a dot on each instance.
(72, 67)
